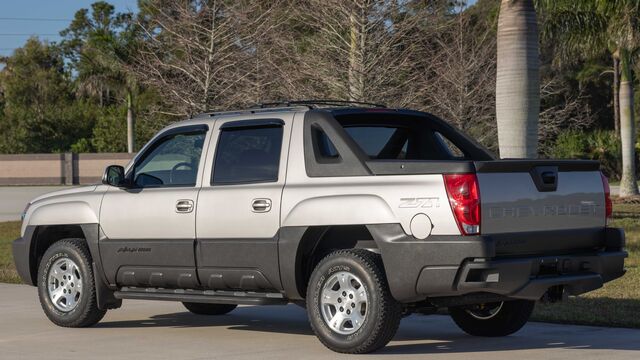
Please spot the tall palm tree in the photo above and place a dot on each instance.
(588, 28)
(518, 80)
(103, 66)
(100, 44)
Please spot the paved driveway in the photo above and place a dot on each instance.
(13, 199)
(163, 330)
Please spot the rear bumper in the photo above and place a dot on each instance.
(530, 278)
(445, 266)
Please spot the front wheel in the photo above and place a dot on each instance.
(492, 319)
(350, 307)
(66, 286)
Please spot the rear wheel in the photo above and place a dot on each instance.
(209, 309)
(66, 286)
(492, 319)
(350, 307)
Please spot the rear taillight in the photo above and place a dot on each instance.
(464, 197)
(608, 205)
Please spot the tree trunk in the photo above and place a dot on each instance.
(354, 94)
(518, 80)
(616, 97)
(628, 183)
(131, 124)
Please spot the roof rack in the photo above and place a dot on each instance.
(251, 110)
(287, 105)
(311, 103)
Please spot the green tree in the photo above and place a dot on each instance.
(100, 46)
(38, 113)
(589, 28)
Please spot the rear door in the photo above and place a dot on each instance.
(238, 214)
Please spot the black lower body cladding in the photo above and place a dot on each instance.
(21, 249)
(405, 257)
(444, 266)
(25, 250)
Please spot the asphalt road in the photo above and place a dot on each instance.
(163, 330)
(13, 199)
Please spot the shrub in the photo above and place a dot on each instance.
(110, 131)
(599, 145)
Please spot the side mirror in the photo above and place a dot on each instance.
(113, 175)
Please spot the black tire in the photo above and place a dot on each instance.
(209, 309)
(86, 312)
(511, 317)
(383, 312)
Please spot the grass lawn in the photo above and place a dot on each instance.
(9, 231)
(616, 304)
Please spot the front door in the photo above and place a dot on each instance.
(238, 215)
(148, 230)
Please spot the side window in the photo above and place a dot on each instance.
(325, 148)
(246, 155)
(449, 146)
(171, 161)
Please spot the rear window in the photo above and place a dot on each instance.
(380, 142)
(401, 142)
(395, 135)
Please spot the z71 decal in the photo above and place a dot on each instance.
(421, 202)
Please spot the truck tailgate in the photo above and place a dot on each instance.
(541, 206)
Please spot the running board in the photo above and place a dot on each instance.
(202, 296)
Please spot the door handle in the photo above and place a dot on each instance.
(261, 205)
(184, 206)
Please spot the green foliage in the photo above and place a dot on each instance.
(570, 145)
(83, 145)
(110, 132)
(599, 145)
(39, 114)
(71, 96)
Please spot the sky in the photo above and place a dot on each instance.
(44, 18)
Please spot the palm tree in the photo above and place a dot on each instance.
(104, 67)
(101, 45)
(589, 28)
(518, 80)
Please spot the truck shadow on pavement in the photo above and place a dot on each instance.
(418, 334)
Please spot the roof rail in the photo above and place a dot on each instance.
(311, 103)
(287, 105)
(251, 110)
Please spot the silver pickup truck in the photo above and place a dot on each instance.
(362, 214)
